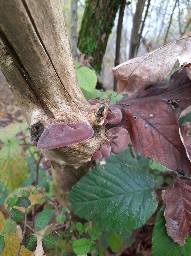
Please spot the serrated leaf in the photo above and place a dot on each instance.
(24, 192)
(8, 133)
(30, 242)
(115, 242)
(82, 246)
(17, 215)
(12, 200)
(162, 244)
(13, 165)
(43, 218)
(2, 243)
(12, 243)
(116, 197)
(49, 242)
(87, 79)
(178, 209)
(23, 202)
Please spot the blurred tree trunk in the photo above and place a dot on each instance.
(73, 27)
(135, 32)
(118, 38)
(97, 24)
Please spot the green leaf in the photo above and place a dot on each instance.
(12, 200)
(10, 227)
(156, 166)
(76, 64)
(30, 242)
(163, 244)
(82, 246)
(104, 95)
(23, 202)
(8, 133)
(116, 197)
(185, 119)
(80, 228)
(24, 192)
(43, 218)
(49, 242)
(115, 242)
(17, 215)
(61, 217)
(94, 232)
(87, 79)
(13, 165)
(2, 243)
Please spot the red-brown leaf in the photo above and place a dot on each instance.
(152, 68)
(151, 118)
(178, 210)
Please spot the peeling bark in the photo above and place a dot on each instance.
(36, 60)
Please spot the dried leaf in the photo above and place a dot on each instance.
(152, 68)
(178, 209)
(151, 118)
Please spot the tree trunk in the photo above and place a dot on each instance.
(135, 35)
(36, 60)
(118, 38)
(97, 24)
(73, 27)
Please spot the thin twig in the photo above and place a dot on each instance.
(37, 169)
(170, 22)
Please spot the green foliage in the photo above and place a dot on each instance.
(163, 244)
(13, 164)
(43, 218)
(184, 119)
(2, 243)
(10, 227)
(115, 242)
(116, 197)
(12, 200)
(23, 202)
(17, 215)
(82, 246)
(30, 242)
(94, 232)
(61, 217)
(87, 80)
(49, 242)
(104, 95)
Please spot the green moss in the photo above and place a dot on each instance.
(97, 24)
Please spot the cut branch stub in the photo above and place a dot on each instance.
(58, 135)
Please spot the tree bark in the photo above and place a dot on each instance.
(118, 38)
(97, 24)
(73, 27)
(36, 60)
(135, 35)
